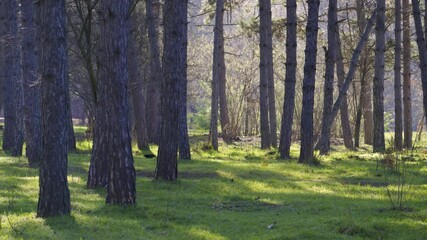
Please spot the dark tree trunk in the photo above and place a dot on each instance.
(290, 79)
(135, 85)
(175, 27)
(328, 92)
(13, 135)
(398, 77)
(378, 90)
(352, 69)
(264, 46)
(184, 143)
(345, 122)
(32, 91)
(422, 48)
(113, 46)
(153, 117)
(54, 196)
(306, 153)
(407, 102)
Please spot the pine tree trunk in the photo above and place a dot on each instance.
(175, 27)
(265, 14)
(184, 143)
(407, 101)
(113, 49)
(422, 48)
(398, 78)
(345, 122)
(290, 79)
(306, 153)
(378, 90)
(54, 196)
(32, 91)
(153, 116)
(328, 92)
(13, 135)
(135, 85)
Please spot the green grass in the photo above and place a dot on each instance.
(239, 193)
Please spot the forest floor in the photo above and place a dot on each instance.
(239, 192)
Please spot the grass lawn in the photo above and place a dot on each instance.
(239, 193)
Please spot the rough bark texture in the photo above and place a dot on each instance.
(407, 101)
(345, 122)
(378, 90)
(184, 143)
(398, 125)
(135, 85)
(54, 196)
(422, 48)
(113, 45)
(352, 69)
(306, 153)
(32, 90)
(328, 92)
(13, 135)
(154, 84)
(264, 48)
(175, 25)
(290, 79)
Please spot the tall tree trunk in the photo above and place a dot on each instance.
(290, 79)
(407, 102)
(121, 179)
(265, 15)
(184, 143)
(328, 92)
(32, 91)
(135, 85)
(378, 90)
(175, 27)
(54, 196)
(422, 48)
(13, 135)
(306, 153)
(153, 116)
(398, 77)
(352, 69)
(345, 122)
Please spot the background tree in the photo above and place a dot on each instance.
(175, 27)
(306, 153)
(378, 90)
(31, 85)
(54, 196)
(290, 79)
(398, 125)
(407, 101)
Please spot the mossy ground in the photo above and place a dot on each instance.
(239, 193)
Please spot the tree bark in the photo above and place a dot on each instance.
(398, 78)
(153, 115)
(135, 85)
(175, 27)
(54, 196)
(290, 79)
(328, 93)
(407, 102)
(306, 153)
(113, 45)
(345, 122)
(264, 46)
(13, 135)
(31, 87)
(378, 90)
(352, 69)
